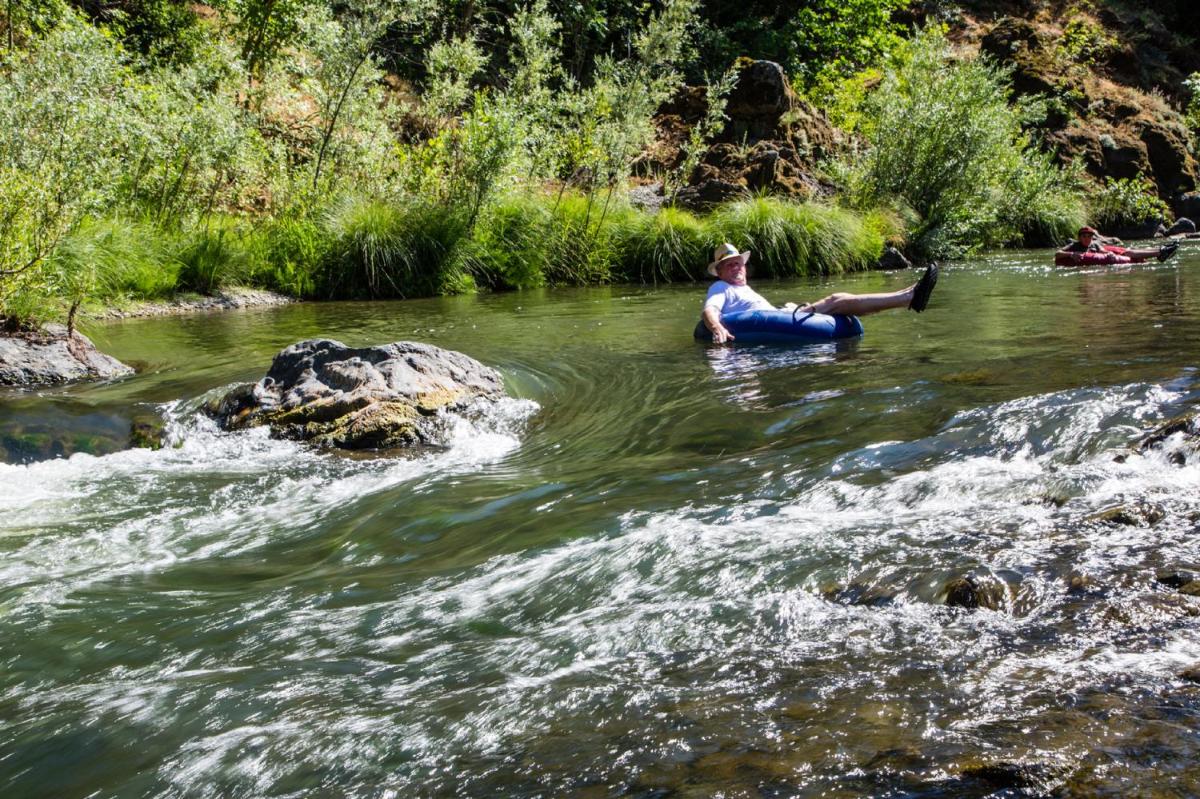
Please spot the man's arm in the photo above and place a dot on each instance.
(712, 320)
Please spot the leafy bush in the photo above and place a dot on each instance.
(1083, 41)
(819, 42)
(944, 141)
(1127, 202)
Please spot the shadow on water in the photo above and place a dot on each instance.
(923, 563)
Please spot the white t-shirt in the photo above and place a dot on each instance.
(727, 299)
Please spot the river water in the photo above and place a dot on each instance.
(661, 569)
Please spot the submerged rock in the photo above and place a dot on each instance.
(1175, 579)
(1188, 424)
(331, 395)
(1027, 778)
(147, 431)
(972, 592)
(1132, 514)
(49, 357)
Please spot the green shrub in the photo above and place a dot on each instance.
(944, 141)
(1127, 202)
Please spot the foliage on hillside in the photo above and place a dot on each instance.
(375, 148)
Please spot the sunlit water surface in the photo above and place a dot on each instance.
(661, 569)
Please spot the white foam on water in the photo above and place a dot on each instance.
(594, 620)
(699, 578)
(86, 518)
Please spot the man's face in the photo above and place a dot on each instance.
(733, 271)
(1086, 238)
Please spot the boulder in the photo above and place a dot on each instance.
(1188, 204)
(1124, 157)
(893, 259)
(757, 102)
(49, 357)
(1182, 226)
(1166, 146)
(325, 393)
(709, 193)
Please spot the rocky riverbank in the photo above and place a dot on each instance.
(224, 300)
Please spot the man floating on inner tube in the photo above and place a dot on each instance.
(1091, 249)
(731, 296)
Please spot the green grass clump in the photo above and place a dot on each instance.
(581, 244)
(510, 246)
(287, 254)
(212, 256)
(381, 251)
(129, 258)
(790, 239)
(659, 248)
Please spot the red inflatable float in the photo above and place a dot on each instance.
(1110, 255)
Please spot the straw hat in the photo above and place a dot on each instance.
(724, 253)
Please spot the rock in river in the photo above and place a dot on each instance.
(48, 356)
(331, 395)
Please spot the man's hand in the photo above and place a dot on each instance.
(720, 334)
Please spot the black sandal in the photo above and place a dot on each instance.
(1167, 250)
(924, 288)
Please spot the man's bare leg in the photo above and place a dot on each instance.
(860, 304)
(915, 297)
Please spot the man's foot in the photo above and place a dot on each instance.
(1167, 250)
(924, 288)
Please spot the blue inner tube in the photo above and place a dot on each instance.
(767, 327)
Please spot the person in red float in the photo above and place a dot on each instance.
(1092, 248)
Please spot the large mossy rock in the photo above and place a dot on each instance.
(331, 395)
(49, 356)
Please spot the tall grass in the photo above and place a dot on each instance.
(794, 239)
(214, 255)
(287, 253)
(131, 258)
(664, 247)
(371, 249)
(381, 250)
(510, 248)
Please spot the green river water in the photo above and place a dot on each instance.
(663, 569)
